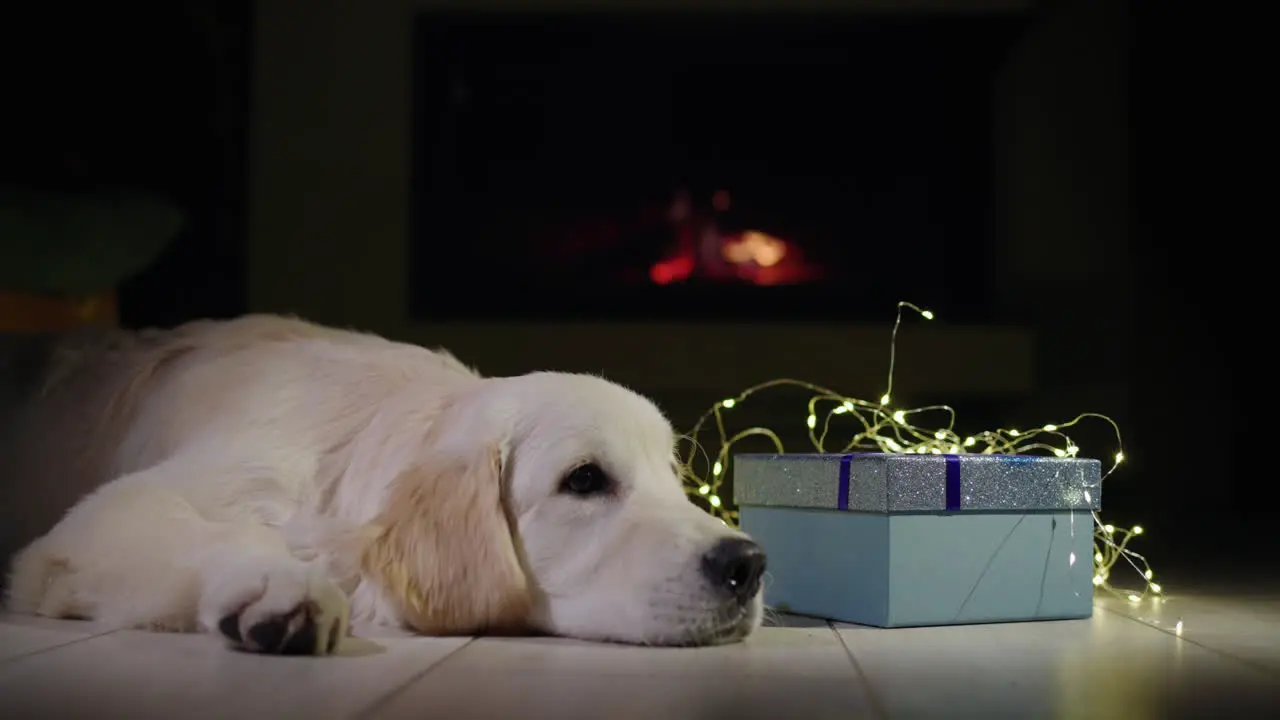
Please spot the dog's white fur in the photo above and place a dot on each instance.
(265, 464)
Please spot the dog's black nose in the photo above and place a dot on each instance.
(736, 565)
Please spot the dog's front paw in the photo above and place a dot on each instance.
(285, 610)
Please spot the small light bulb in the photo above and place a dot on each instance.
(715, 501)
(892, 445)
(704, 489)
(840, 410)
(1119, 458)
(728, 403)
(1155, 588)
(1147, 574)
(848, 406)
(1059, 453)
(900, 417)
(1097, 557)
(1013, 433)
(955, 450)
(812, 421)
(1071, 559)
(935, 451)
(1050, 428)
(969, 441)
(1137, 529)
(1134, 598)
(884, 399)
(940, 435)
(717, 468)
(926, 314)
(1097, 579)
(1109, 529)
(1072, 450)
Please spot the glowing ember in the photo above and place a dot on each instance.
(673, 270)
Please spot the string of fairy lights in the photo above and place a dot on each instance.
(882, 428)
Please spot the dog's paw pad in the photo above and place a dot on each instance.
(229, 626)
(276, 609)
(297, 632)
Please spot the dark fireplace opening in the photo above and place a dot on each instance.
(702, 167)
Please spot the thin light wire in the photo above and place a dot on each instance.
(883, 429)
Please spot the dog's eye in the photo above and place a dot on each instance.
(586, 480)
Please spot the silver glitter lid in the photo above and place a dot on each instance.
(889, 483)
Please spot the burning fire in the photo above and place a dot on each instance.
(764, 250)
(704, 251)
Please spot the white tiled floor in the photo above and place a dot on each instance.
(1128, 662)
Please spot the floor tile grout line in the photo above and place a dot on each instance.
(59, 646)
(873, 697)
(398, 689)
(1247, 663)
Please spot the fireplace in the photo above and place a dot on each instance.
(702, 167)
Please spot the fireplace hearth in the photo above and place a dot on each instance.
(702, 168)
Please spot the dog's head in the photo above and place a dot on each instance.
(552, 502)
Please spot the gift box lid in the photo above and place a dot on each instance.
(896, 483)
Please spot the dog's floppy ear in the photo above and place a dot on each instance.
(444, 550)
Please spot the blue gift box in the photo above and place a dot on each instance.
(897, 540)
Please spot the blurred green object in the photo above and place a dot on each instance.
(80, 243)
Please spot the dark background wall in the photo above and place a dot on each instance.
(142, 94)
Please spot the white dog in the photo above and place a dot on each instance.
(274, 481)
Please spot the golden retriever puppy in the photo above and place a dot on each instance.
(273, 482)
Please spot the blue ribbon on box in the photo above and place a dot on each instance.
(952, 481)
(842, 492)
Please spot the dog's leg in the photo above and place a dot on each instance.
(139, 553)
